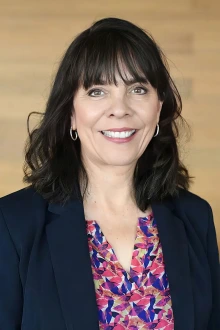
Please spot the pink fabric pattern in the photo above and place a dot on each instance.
(136, 300)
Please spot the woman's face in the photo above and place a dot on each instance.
(106, 107)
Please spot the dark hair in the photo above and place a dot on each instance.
(53, 163)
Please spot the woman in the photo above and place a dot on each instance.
(107, 234)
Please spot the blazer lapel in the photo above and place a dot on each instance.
(69, 250)
(177, 265)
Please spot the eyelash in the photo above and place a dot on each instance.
(96, 89)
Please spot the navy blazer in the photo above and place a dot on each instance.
(46, 279)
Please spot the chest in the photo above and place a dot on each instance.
(120, 232)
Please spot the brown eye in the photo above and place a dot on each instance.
(139, 88)
(94, 90)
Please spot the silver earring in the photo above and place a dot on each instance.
(71, 134)
(157, 130)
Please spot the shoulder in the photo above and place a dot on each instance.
(190, 201)
(21, 202)
(20, 196)
(192, 204)
(18, 212)
(195, 212)
(189, 204)
(20, 199)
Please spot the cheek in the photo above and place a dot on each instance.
(151, 116)
(80, 113)
(86, 116)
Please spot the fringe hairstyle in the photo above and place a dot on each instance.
(52, 160)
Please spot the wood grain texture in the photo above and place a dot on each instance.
(35, 34)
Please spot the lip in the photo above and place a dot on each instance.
(118, 140)
(122, 129)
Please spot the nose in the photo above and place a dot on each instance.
(119, 108)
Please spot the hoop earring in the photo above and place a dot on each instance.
(71, 134)
(157, 130)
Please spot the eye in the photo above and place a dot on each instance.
(138, 88)
(94, 90)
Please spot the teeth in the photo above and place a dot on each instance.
(120, 135)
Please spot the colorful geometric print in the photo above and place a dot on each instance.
(136, 300)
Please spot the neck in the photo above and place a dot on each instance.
(110, 188)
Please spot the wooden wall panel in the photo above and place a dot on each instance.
(34, 35)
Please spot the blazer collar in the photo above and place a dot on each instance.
(67, 238)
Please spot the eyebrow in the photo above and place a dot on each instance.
(128, 82)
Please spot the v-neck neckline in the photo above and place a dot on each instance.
(137, 264)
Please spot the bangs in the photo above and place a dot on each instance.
(105, 55)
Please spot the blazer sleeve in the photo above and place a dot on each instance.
(11, 295)
(214, 262)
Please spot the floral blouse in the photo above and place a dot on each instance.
(136, 300)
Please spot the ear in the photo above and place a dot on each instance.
(160, 104)
(73, 120)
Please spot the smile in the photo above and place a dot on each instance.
(119, 137)
(122, 134)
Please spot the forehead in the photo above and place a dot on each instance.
(123, 75)
(119, 81)
(126, 80)
(126, 77)
(111, 74)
